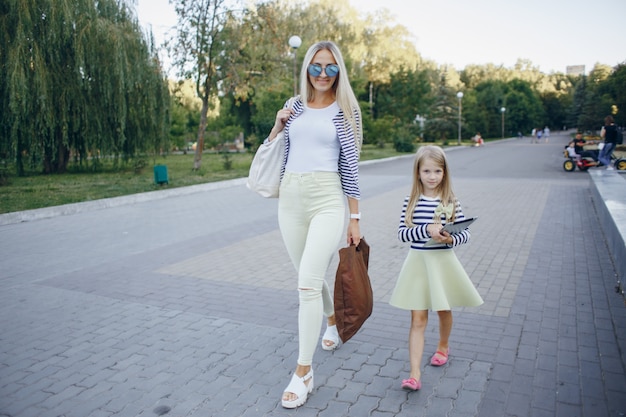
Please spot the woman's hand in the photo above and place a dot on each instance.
(354, 232)
(281, 118)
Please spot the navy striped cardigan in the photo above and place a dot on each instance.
(348, 155)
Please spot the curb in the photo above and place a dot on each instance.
(73, 208)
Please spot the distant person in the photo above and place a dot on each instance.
(571, 151)
(579, 147)
(520, 135)
(431, 278)
(478, 139)
(546, 133)
(609, 134)
(539, 135)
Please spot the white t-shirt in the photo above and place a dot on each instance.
(313, 141)
(571, 152)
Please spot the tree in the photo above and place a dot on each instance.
(185, 107)
(484, 114)
(78, 79)
(200, 51)
(524, 109)
(616, 86)
(578, 101)
(386, 49)
(442, 116)
(555, 110)
(407, 94)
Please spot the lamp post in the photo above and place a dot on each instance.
(459, 95)
(295, 43)
(502, 110)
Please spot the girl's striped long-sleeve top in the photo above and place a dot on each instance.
(422, 217)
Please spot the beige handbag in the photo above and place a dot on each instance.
(264, 175)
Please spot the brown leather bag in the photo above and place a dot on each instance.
(353, 296)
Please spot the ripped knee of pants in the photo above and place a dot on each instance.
(308, 293)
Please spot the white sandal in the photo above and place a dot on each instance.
(298, 387)
(330, 335)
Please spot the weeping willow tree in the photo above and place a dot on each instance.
(78, 79)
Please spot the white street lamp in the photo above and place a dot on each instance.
(459, 95)
(502, 110)
(295, 43)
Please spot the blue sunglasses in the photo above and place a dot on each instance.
(316, 70)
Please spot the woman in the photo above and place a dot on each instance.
(319, 175)
(609, 134)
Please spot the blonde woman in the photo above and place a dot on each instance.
(319, 179)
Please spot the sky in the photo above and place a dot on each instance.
(552, 34)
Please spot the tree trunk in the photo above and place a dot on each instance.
(371, 101)
(197, 161)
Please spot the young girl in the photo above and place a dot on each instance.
(432, 278)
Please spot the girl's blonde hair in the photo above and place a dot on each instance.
(343, 91)
(444, 191)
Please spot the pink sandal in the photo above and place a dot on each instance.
(411, 384)
(439, 358)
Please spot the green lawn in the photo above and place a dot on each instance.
(37, 191)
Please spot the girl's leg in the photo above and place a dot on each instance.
(445, 328)
(419, 320)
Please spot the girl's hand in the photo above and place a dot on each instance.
(434, 230)
(281, 118)
(354, 232)
(438, 234)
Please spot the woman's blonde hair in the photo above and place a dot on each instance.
(444, 190)
(343, 90)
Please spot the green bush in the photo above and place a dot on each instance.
(403, 140)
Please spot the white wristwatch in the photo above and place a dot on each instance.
(356, 216)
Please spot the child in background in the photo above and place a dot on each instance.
(432, 278)
(571, 150)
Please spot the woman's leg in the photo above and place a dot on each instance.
(311, 227)
(605, 153)
(331, 321)
(324, 234)
(419, 320)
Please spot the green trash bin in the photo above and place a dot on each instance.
(160, 174)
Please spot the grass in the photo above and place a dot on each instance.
(37, 191)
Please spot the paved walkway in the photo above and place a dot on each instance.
(186, 305)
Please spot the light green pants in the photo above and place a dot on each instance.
(311, 216)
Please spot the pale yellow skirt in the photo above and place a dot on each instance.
(433, 280)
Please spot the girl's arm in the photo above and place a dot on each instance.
(411, 234)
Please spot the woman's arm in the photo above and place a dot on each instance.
(354, 229)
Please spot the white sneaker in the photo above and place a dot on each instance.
(610, 168)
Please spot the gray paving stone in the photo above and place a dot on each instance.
(150, 308)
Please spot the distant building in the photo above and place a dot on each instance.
(575, 70)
